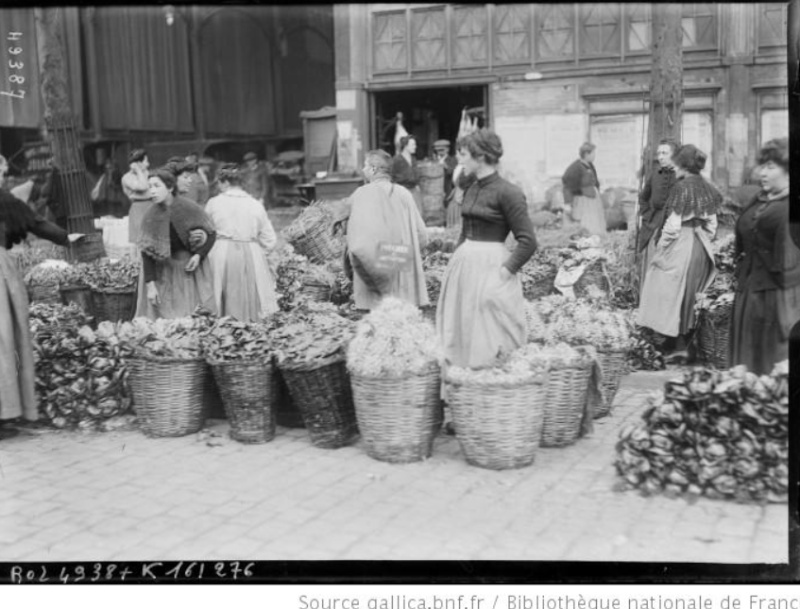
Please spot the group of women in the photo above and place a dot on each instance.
(216, 258)
(767, 299)
(213, 257)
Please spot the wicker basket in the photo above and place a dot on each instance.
(248, 392)
(399, 417)
(322, 392)
(87, 249)
(316, 291)
(287, 413)
(319, 244)
(80, 295)
(713, 335)
(114, 305)
(499, 426)
(567, 389)
(168, 395)
(594, 275)
(614, 365)
(44, 293)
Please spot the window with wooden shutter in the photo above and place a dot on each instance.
(600, 30)
(470, 33)
(639, 26)
(512, 41)
(700, 26)
(428, 39)
(555, 31)
(389, 42)
(772, 25)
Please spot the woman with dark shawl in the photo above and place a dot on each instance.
(683, 263)
(175, 269)
(767, 302)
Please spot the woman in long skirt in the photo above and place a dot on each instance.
(481, 310)
(582, 191)
(17, 392)
(767, 302)
(683, 263)
(175, 268)
(244, 286)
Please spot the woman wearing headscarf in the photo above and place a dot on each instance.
(767, 301)
(404, 168)
(481, 310)
(244, 286)
(683, 263)
(17, 395)
(175, 269)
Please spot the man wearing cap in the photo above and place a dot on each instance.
(255, 180)
(136, 187)
(441, 152)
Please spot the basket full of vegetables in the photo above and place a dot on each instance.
(498, 412)
(113, 284)
(309, 344)
(241, 361)
(393, 362)
(714, 309)
(43, 279)
(313, 235)
(167, 374)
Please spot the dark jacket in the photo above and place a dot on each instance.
(403, 173)
(580, 179)
(652, 202)
(492, 208)
(770, 259)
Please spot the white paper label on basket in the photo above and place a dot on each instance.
(394, 256)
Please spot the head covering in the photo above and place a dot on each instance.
(441, 144)
(250, 156)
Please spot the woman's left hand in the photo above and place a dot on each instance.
(193, 263)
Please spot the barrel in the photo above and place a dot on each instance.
(431, 184)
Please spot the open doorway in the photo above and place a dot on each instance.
(429, 114)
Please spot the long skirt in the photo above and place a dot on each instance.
(589, 211)
(479, 314)
(760, 327)
(135, 215)
(244, 286)
(17, 373)
(179, 291)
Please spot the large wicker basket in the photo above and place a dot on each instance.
(499, 426)
(713, 336)
(319, 244)
(567, 391)
(321, 390)
(80, 295)
(248, 392)
(399, 417)
(44, 293)
(168, 395)
(614, 365)
(114, 305)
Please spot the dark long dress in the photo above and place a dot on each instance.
(767, 302)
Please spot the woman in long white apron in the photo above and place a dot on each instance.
(244, 286)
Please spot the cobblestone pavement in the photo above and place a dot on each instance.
(121, 496)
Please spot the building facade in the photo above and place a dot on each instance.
(547, 77)
(212, 79)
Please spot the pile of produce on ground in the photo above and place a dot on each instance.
(293, 271)
(539, 273)
(622, 268)
(393, 341)
(310, 332)
(81, 374)
(722, 434)
(645, 352)
(558, 319)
